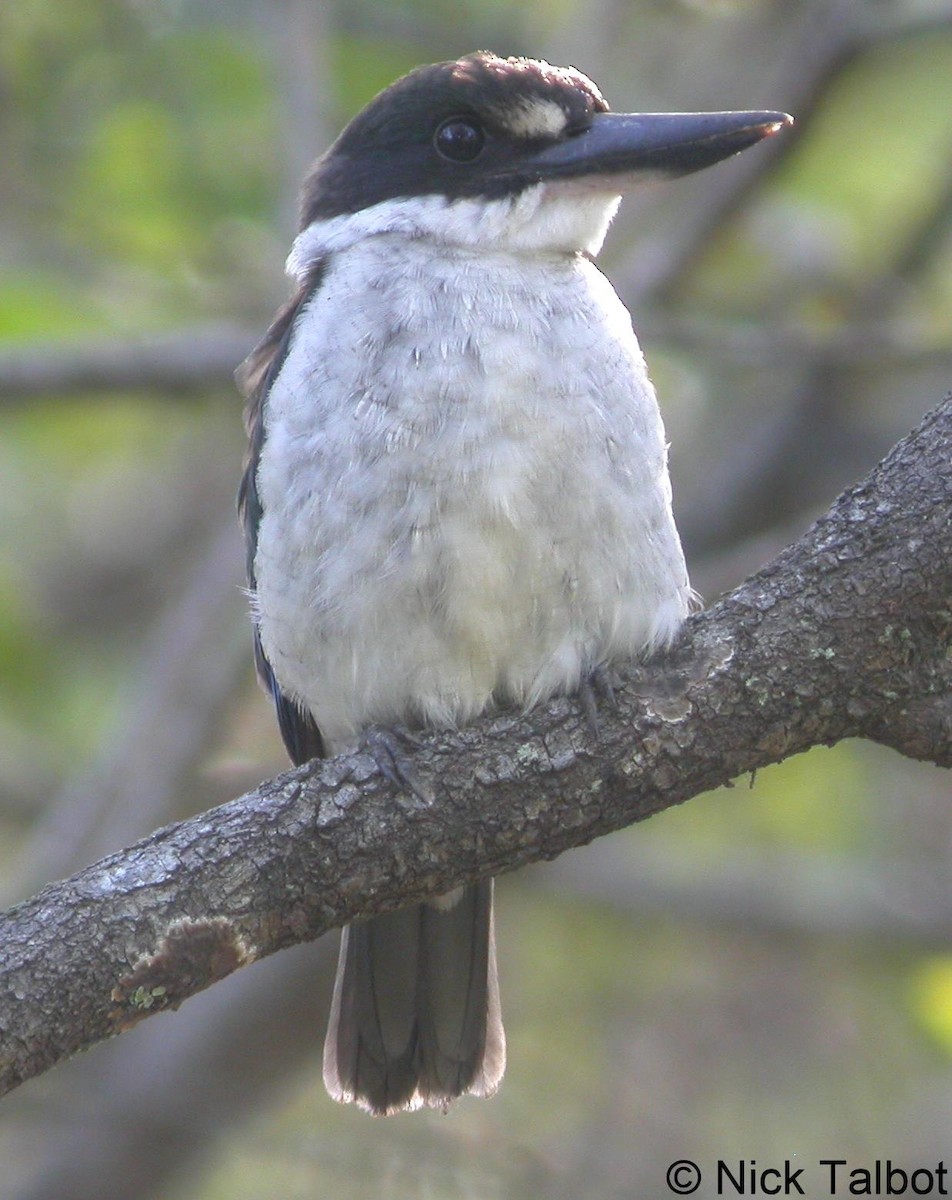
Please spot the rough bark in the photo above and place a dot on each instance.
(845, 634)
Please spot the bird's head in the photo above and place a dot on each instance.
(512, 153)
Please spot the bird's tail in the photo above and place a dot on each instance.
(415, 1018)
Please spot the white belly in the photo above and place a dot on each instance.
(459, 508)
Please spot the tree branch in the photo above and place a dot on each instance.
(845, 634)
(179, 363)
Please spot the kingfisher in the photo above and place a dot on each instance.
(456, 496)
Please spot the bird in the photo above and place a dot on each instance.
(456, 497)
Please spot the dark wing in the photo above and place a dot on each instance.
(255, 377)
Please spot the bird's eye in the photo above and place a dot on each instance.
(459, 140)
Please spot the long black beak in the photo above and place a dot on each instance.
(654, 144)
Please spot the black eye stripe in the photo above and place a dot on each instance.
(459, 139)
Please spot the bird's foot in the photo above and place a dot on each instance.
(386, 745)
(596, 687)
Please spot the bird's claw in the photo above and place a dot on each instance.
(595, 686)
(385, 745)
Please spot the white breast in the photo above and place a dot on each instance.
(464, 488)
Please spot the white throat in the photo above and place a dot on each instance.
(564, 218)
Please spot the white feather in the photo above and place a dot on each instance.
(463, 477)
(569, 217)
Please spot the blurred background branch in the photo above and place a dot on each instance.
(182, 363)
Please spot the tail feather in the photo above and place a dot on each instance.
(415, 1018)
